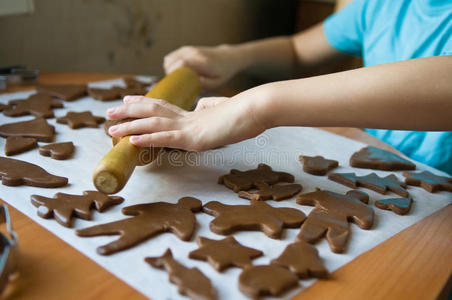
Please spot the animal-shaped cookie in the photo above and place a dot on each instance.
(147, 220)
(18, 144)
(331, 215)
(317, 165)
(190, 281)
(67, 92)
(17, 172)
(400, 206)
(303, 260)
(429, 181)
(225, 253)
(64, 206)
(38, 105)
(57, 150)
(256, 216)
(378, 159)
(37, 128)
(266, 280)
(80, 119)
(371, 181)
(246, 180)
(275, 192)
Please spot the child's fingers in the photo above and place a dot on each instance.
(140, 110)
(172, 139)
(141, 126)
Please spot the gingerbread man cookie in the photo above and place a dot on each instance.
(38, 105)
(375, 158)
(317, 165)
(429, 181)
(81, 119)
(275, 192)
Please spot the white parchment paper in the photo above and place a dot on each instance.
(178, 174)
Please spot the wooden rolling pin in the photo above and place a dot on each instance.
(181, 88)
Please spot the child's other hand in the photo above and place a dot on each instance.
(215, 122)
(215, 65)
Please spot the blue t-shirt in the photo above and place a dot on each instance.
(385, 31)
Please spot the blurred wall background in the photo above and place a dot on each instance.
(132, 36)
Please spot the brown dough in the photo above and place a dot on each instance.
(225, 253)
(63, 206)
(57, 150)
(317, 165)
(331, 215)
(276, 192)
(104, 94)
(3, 106)
(80, 119)
(371, 181)
(17, 144)
(133, 90)
(39, 105)
(17, 172)
(133, 82)
(303, 260)
(37, 128)
(148, 220)
(272, 280)
(256, 216)
(400, 206)
(429, 181)
(190, 281)
(246, 180)
(375, 158)
(67, 92)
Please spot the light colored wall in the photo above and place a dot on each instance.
(126, 36)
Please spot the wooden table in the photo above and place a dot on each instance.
(414, 264)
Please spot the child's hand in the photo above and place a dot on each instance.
(214, 123)
(215, 65)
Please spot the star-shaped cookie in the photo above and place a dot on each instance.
(81, 119)
(429, 181)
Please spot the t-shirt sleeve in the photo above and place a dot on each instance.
(344, 30)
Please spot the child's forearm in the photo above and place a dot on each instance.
(408, 95)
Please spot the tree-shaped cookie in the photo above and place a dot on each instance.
(190, 281)
(317, 165)
(37, 128)
(39, 105)
(275, 192)
(256, 216)
(375, 158)
(331, 215)
(371, 181)
(57, 150)
(80, 119)
(256, 281)
(64, 206)
(67, 92)
(429, 181)
(18, 144)
(400, 206)
(246, 180)
(147, 220)
(225, 253)
(303, 260)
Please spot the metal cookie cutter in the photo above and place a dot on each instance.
(16, 75)
(8, 249)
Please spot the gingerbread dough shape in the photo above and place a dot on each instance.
(303, 260)
(58, 150)
(190, 281)
(225, 253)
(400, 206)
(64, 206)
(37, 128)
(429, 181)
(371, 181)
(67, 92)
(275, 192)
(256, 216)
(246, 180)
(378, 159)
(80, 119)
(17, 172)
(17, 144)
(147, 221)
(267, 280)
(3, 106)
(38, 105)
(317, 165)
(133, 82)
(104, 94)
(331, 215)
